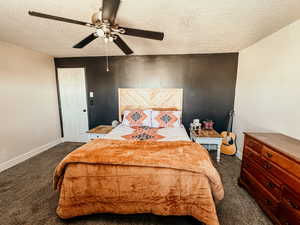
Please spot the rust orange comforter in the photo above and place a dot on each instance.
(126, 177)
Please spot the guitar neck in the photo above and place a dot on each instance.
(230, 121)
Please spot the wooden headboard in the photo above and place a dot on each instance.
(147, 98)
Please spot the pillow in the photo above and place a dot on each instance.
(166, 118)
(137, 118)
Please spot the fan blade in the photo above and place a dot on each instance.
(86, 41)
(42, 15)
(143, 33)
(122, 45)
(109, 10)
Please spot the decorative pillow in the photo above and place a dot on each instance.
(166, 118)
(137, 117)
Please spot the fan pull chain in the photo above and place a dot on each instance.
(107, 67)
(106, 53)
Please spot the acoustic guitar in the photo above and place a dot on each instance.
(228, 144)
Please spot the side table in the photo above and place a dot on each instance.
(208, 137)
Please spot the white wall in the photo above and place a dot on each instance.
(29, 117)
(268, 85)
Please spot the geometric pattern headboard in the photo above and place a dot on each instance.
(147, 98)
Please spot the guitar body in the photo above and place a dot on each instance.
(228, 144)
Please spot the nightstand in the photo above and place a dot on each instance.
(208, 137)
(99, 132)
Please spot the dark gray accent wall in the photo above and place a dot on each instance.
(208, 82)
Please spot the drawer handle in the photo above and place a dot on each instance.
(293, 205)
(268, 202)
(269, 155)
(251, 155)
(270, 185)
(267, 166)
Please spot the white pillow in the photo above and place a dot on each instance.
(166, 118)
(137, 117)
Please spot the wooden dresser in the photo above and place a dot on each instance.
(271, 174)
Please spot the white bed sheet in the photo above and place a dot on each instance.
(169, 133)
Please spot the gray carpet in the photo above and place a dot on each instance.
(27, 197)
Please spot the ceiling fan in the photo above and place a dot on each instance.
(105, 27)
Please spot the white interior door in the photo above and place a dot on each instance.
(73, 101)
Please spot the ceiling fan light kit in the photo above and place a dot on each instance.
(105, 27)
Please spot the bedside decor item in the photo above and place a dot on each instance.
(195, 125)
(209, 138)
(196, 121)
(99, 132)
(115, 123)
(208, 124)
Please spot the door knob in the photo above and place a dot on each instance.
(84, 110)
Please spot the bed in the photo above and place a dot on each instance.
(160, 172)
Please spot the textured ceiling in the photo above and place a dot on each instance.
(190, 26)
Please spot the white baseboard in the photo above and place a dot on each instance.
(239, 155)
(27, 155)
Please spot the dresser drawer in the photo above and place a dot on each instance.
(286, 217)
(291, 201)
(253, 144)
(262, 196)
(251, 154)
(265, 179)
(282, 175)
(281, 160)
